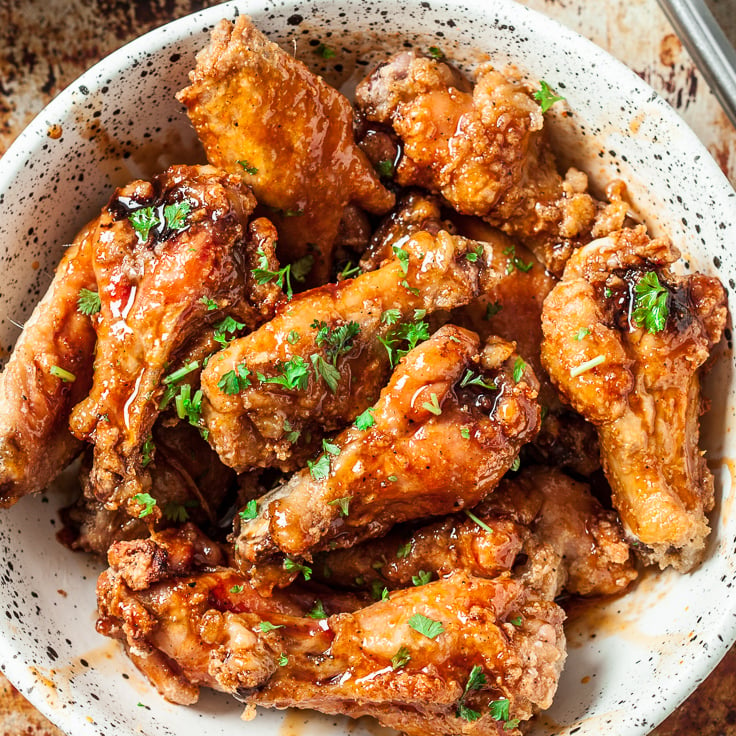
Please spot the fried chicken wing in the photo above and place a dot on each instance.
(188, 481)
(261, 113)
(323, 359)
(483, 148)
(446, 428)
(172, 257)
(49, 371)
(211, 630)
(635, 373)
(541, 524)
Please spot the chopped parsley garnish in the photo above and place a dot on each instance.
(88, 302)
(147, 501)
(379, 591)
(234, 381)
(519, 368)
(283, 660)
(182, 372)
(436, 53)
(403, 257)
(337, 341)
(318, 610)
(386, 168)
(293, 337)
(330, 447)
(343, 504)
(319, 469)
(250, 511)
(607, 292)
(516, 464)
(587, 365)
(62, 373)
(410, 289)
(248, 167)
(426, 626)
(545, 96)
(266, 626)
(143, 220)
(401, 658)
(236, 589)
(433, 405)
(392, 478)
(349, 271)
(177, 512)
(465, 433)
(228, 326)
(493, 309)
(294, 374)
(325, 51)
(421, 578)
(515, 261)
(291, 434)
(176, 214)
(471, 379)
(650, 306)
(478, 521)
(329, 373)
(147, 451)
(582, 333)
(405, 549)
(500, 712)
(211, 304)
(305, 570)
(390, 317)
(411, 332)
(516, 621)
(366, 419)
(475, 254)
(476, 680)
(263, 274)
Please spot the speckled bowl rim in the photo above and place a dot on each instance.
(718, 641)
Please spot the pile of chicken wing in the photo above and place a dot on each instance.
(362, 399)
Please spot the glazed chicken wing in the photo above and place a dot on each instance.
(634, 371)
(163, 287)
(261, 113)
(430, 660)
(483, 148)
(541, 524)
(445, 429)
(49, 371)
(271, 396)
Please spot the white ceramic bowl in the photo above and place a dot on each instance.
(631, 660)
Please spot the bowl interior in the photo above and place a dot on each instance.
(631, 660)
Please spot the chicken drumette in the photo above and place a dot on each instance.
(624, 341)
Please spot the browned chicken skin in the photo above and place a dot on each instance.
(211, 629)
(35, 443)
(158, 295)
(483, 148)
(542, 524)
(268, 423)
(437, 444)
(261, 113)
(641, 389)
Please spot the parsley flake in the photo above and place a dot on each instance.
(305, 570)
(301, 268)
(421, 578)
(478, 521)
(516, 621)
(294, 374)
(474, 254)
(403, 257)
(228, 326)
(325, 51)
(426, 626)
(177, 512)
(234, 381)
(366, 419)
(349, 271)
(175, 215)
(401, 658)
(88, 302)
(236, 589)
(471, 379)
(291, 434)
(390, 316)
(386, 168)
(330, 447)
(433, 405)
(545, 96)
(62, 373)
(343, 504)
(465, 433)
(337, 341)
(318, 610)
(493, 309)
(582, 333)
(329, 373)
(248, 167)
(143, 221)
(500, 712)
(266, 626)
(516, 464)
(263, 274)
(147, 451)
(283, 660)
(476, 680)
(436, 53)
(147, 501)
(404, 550)
(519, 368)
(319, 469)
(650, 307)
(211, 304)
(515, 261)
(250, 511)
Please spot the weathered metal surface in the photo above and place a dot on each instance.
(46, 44)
